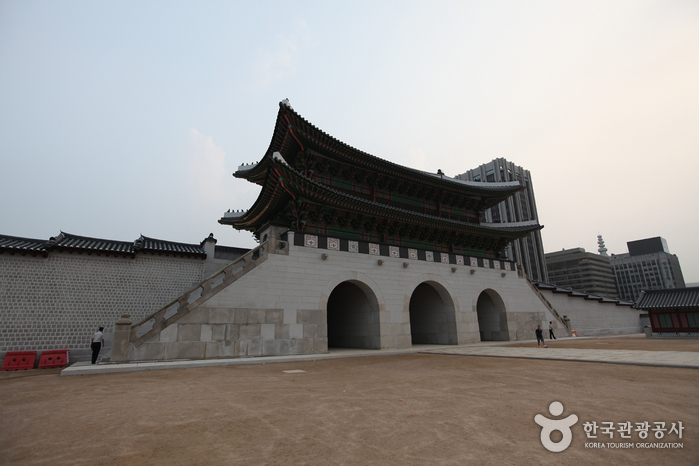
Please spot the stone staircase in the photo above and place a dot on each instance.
(548, 305)
(126, 334)
(196, 296)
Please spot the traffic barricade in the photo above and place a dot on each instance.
(53, 358)
(18, 360)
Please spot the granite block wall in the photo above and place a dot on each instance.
(57, 302)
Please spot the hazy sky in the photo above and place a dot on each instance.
(122, 118)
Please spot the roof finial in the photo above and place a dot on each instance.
(286, 103)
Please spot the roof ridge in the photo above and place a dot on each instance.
(70, 235)
(168, 241)
(21, 237)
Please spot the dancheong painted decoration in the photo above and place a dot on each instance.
(316, 184)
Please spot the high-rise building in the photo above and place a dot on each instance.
(647, 266)
(519, 208)
(581, 271)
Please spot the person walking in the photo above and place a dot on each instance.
(551, 335)
(96, 344)
(540, 336)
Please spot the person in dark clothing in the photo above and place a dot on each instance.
(96, 344)
(551, 335)
(540, 336)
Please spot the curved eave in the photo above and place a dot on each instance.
(283, 183)
(322, 195)
(271, 200)
(292, 133)
(255, 174)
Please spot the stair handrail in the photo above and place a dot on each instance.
(546, 302)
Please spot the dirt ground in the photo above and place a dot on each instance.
(635, 342)
(390, 410)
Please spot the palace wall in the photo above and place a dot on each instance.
(281, 306)
(57, 302)
(589, 317)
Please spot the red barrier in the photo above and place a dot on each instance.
(18, 360)
(53, 358)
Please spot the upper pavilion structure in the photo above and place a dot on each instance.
(316, 184)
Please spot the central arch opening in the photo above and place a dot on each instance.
(432, 316)
(492, 317)
(353, 317)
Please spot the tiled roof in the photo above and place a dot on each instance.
(673, 298)
(145, 243)
(580, 294)
(15, 244)
(66, 241)
(310, 187)
(292, 128)
(74, 243)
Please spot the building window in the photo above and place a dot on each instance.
(665, 321)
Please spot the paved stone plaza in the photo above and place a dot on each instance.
(679, 359)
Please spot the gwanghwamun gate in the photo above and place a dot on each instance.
(354, 252)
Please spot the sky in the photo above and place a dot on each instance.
(122, 118)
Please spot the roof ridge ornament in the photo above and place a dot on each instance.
(286, 103)
(278, 157)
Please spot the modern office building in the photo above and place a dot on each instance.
(518, 209)
(582, 271)
(647, 266)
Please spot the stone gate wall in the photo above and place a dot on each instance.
(280, 307)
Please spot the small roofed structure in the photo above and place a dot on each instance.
(673, 312)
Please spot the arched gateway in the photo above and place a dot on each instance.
(432, 316)
(492, 317)
(353, 317)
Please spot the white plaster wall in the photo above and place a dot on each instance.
(592, 318)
